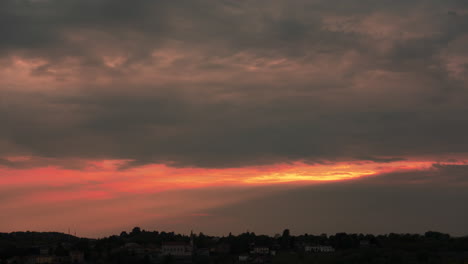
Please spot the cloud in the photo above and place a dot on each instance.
(232, 83)
(407, 198)
(381, 160)
(401, 202)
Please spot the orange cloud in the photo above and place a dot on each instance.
(88, 197)
(107, 175)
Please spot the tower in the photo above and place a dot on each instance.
(191, 239)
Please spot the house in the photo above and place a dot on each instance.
(44, 251)
(203, 252)
(135, 249)
(243, 258)
(319, 249)
(17, 259)
(44, 259)
(223, 249)
(260, 250)
(364, 243)
(177, 249)
(76, 257)
(261, 259)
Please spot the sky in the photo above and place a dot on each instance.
(320, 116)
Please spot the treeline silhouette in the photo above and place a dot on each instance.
(431, 247)
(434, 241)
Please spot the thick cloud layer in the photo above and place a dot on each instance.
(403, 202)
(233, 83)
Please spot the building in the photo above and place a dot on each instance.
(223, 249)
(364, 243)
(44, 259)
(203, 252)
(44, 251)
(177, 249)
(319, 249)
(260, 250)
(77, 257)
(135, 249)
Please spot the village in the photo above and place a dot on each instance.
(140, 246)
(168, 252)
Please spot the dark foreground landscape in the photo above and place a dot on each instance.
(140, 246)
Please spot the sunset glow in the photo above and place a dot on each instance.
(211, 115)
(104, 179)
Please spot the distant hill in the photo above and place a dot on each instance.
(27, 239)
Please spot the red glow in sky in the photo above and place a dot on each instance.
(103, 182)
(178, 113)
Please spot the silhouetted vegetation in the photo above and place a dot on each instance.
(145, 247)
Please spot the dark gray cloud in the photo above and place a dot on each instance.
(233, 83)
(408, 202)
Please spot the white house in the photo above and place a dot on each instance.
(319, 249)
(177, 249)
(260, 250)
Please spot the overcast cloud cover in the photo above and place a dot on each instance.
(233, 83)
(229, 84)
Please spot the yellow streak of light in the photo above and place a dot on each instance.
(300, 177)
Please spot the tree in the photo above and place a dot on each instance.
(136, 231)
(285, 240)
